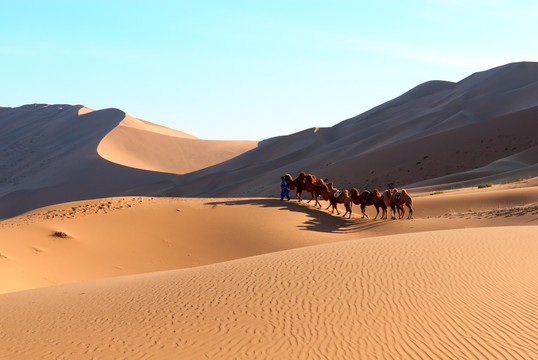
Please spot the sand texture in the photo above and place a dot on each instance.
(271, 280)
(466, 293)
(123, 239)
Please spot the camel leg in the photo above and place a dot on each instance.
(410, 216)
(348, 210)
(383, 212)
(363, 209)
(300, 196)
(377, 208)
(317, 200)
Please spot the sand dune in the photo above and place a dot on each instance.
(434, 131)
(439, 134)
(139, 144)
(51, 154)
(468, 293)
(120, 236)
(118, 266)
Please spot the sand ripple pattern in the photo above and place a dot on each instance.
(456, 294)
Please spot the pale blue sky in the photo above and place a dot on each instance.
(250, 69)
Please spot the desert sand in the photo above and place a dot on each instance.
(145, 277)
(143, 145)
(123, 239)
(61, 153)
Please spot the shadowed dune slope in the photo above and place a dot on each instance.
(437, 133)
(58, 153)
(49, 155)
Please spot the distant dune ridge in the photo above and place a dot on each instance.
(59, 153)
(139, 144)
(438, 134)
(481, 129)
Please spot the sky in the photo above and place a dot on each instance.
(250, 70)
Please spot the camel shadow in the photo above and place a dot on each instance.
(319, 220)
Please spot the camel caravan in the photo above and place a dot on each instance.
(393, 199)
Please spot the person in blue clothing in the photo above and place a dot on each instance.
(284, 191)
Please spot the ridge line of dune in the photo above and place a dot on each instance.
(143, 145)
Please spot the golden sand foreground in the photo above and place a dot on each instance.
(265, 279)
(468, 293)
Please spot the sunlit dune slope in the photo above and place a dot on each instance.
(130, 235)
(147, 146)
(466, 293)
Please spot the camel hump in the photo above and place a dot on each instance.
(404, 192)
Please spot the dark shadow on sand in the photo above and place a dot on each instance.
(320, 220)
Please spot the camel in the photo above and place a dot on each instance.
(335, 197)
(297, 183)
(314, 188)
(367, 198)
(390, 203)
(396, 200)
(302, 183)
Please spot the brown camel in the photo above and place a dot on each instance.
(314, 188)
(367, 198)
(396, 200)
(336, 197)
(306, 183)
(389, 203)
(297, 183)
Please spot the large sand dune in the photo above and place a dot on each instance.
(438, 134)
(453, 283)
(120, 236)
(142, 145)
(59, 153)
(262, 278)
